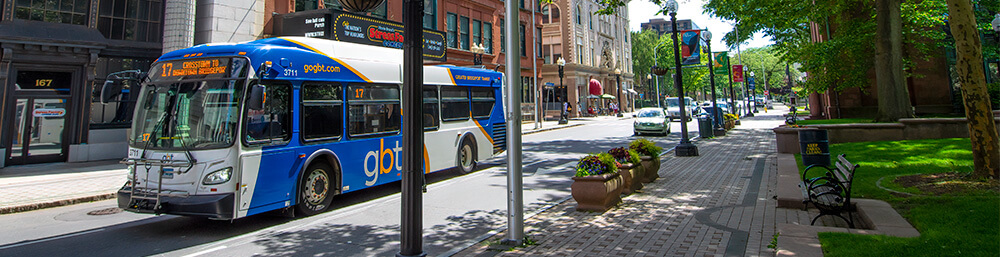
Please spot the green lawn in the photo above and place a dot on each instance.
(963, 224)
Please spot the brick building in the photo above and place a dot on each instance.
(592, 45)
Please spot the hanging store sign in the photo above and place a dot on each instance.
(348, 27)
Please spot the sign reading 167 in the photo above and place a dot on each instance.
(43, 82)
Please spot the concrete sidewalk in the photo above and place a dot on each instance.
(720, 203)
(37, 186)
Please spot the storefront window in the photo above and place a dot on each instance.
(66, 11)
(134, 20)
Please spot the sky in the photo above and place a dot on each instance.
(642, 10)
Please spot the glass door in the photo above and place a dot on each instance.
(38, 135)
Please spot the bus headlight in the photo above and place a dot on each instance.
(218, 177)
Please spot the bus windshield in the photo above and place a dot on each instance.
(187, 115)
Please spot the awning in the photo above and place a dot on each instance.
(607, 96)
(593, 97)
(595, 87)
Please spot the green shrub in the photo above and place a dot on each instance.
(624, 156)
(596, 164)
(994, 91)
(645, 147)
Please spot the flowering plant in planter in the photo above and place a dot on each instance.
(645, 147)
(732, 117)
(596, 164)
(623, 156)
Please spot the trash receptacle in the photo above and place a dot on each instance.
(815, 147)
(716, 114)
(705, 126)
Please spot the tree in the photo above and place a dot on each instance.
(893, 96)
(969, 66)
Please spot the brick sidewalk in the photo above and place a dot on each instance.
(718, 204)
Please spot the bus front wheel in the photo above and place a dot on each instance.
(466, 157)
(315, 192)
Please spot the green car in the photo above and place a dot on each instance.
(651, 120)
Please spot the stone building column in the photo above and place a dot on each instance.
(178, 25)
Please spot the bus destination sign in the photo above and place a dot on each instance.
(203, 68)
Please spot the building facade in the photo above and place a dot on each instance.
(52, 57)
(661, 25)
(592, 46)
(55, 57)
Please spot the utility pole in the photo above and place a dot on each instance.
(411, 221)
(515, 203)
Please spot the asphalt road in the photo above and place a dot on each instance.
(457, 210)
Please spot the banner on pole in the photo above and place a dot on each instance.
(737, 73)
(721, 61)
(690, 47)
(750, 81)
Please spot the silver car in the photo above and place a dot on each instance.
(651, 120)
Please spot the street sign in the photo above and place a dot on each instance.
(737, 73)
(751, 81)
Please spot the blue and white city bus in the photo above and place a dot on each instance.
(231, 130)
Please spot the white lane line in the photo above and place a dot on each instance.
(50, 239)
(206, 251)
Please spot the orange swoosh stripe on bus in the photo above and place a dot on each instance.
(482, 129)
(362, 76)
(427, 161)
(452, 77)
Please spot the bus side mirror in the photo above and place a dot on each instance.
(111, 89)
(258, 95)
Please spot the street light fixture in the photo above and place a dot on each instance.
(618, 80)
(477, 54)
(685, 148)
(565, 110)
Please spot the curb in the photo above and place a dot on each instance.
(38, 206)
(552, 128)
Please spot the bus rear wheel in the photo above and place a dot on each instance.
(315, 189)
(466, 157)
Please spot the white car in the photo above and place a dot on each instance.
(674, 112)
(651, 120)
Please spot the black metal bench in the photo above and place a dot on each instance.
(791, 117)
(831, 192)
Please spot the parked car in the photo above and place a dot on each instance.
(674, 112)
(651, 120)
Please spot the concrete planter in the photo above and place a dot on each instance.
(652, 166)
(632, 176)
(598, 192)
(905, 129)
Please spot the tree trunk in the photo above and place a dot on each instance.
(893, 96)
(972, 80)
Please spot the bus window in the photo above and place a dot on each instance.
(454, 103)
(432, 105)
(274, 121)
(482, 102)
(373, 109)
(322, 110)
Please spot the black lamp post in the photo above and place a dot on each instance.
(477, 54)
(618, 80)
(563, 119)
(685, 148)
(718, 130)
(753, 92)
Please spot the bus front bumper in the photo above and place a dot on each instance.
(218, 206)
